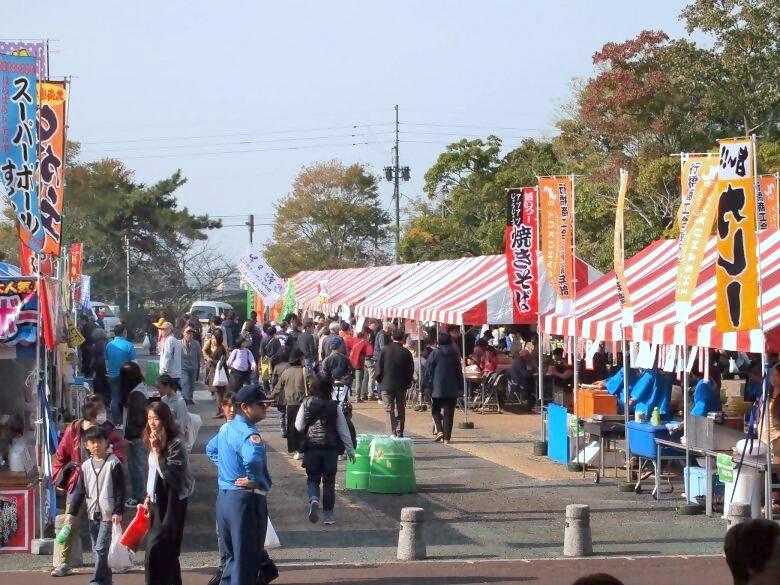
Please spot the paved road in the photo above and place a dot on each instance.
(643, 571)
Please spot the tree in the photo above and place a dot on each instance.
(332, 218)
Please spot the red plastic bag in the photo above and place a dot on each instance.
(136, 530)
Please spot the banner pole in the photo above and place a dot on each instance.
(626, 372)
(575, 350)
(539, 375)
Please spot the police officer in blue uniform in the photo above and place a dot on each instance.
(242, 515)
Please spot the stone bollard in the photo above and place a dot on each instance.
(411, 543)
(76, 553)
(738, 513)
(576, 537)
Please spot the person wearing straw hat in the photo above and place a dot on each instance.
(158, 325)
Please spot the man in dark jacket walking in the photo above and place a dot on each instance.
(308, 345)
(444, 376)
(395, 373)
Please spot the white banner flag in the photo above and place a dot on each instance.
(260, 276)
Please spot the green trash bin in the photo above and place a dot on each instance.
(152, 373)
(392, 466)
(358, 472)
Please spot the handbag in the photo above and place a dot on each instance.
(220, 376)
(271, 538)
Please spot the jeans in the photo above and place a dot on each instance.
(283, 421)
(395, 407)
(100, 533)
(136, 465)
(369, 377)
(443, 412)
(187, 384)
(116, 401)
(358, 384)
(309, 365)
(321, 466)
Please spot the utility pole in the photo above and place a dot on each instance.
(395, 174)
(251, 225)
(127, 271)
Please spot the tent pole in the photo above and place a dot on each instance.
(686, 413)
(465, 387)
(626, 372)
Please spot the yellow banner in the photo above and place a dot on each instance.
(618, 256)
(699, 178)
(556, 219)
(768, 189)
(736, 306)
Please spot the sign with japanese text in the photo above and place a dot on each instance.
(260, 276)
(725, 465)
(736, 300)
(19, 144)
(617, 249)
(323, 290)
(35, 49)
(51, 120)
(520, 252)
(768, 195)
(18, 311)
(556, 225)
(699, 178)
(75, 251)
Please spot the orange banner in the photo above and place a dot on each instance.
(556, 224)
(618, 251)
(52, 97)
(736, 306)
(768, 196)
(699, 178)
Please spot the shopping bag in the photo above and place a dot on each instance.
(271, 538)
(147, 342)
(733, 367)
(136, 530)
(192, 429)
(119, 556)
(220, 377)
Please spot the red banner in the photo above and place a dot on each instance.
(521, 252)
(28, 261)
(75, 252)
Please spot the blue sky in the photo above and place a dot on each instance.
(241, 94)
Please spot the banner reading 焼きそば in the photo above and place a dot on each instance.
(624, 297)
(53, 95)
(520, 253)
(555, 221)
(736, 300)
(699, 179)
(19, 144)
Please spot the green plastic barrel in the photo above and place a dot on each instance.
(392, 466)
(152, 373)
(358, 472)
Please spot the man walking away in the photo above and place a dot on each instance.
(151, 330)
(443, 375)
(169, 394)
(190, 365)
(170, 358)
(383, 338)
(308, 345)
(119, 351)
(395, 374)
(357, 358)
(326, 340)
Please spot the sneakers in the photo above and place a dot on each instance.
(61, 571)
(327, 518)
(216, 578)
(314, 511)
(131, 503)
(297, 456)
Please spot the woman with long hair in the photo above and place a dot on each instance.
(169, 485)
(216, 359)
(134, 399)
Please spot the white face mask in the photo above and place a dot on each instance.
(101, 417)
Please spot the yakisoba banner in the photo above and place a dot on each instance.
(520, 252)
(555, 218)
(52, 97)
(768, 197)
(736, 306)
(699, 178)
(620, 272)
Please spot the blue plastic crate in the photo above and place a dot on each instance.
(558, 431)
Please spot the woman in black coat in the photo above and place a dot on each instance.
(444, 376)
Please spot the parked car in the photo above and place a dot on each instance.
(205, 310)
(110, 319)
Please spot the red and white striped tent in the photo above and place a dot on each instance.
(346, 286)
(463, 291)
(658, 323)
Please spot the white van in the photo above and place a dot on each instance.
(110, 319)
(205, 310)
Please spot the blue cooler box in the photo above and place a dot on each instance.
(699, 484)
(641, 439)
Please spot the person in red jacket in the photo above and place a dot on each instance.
(357, 357)
(71, 453)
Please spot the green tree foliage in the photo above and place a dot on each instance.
(332, 218)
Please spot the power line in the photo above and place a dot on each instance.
(473, 126)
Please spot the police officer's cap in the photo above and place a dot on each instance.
(252, 394)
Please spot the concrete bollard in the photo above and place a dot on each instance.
(738, 513)
(411, 542)
(576, 537)
(76, 552)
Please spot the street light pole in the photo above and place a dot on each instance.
(395, 174)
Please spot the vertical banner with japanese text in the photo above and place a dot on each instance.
(555, 222)
(520, 253)
(736, 301)
(35, 49)
(768, 190)
(75, 251)
(53, 96)
(618, 257)
(19, 144)
(260, 276)
(699, 179)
